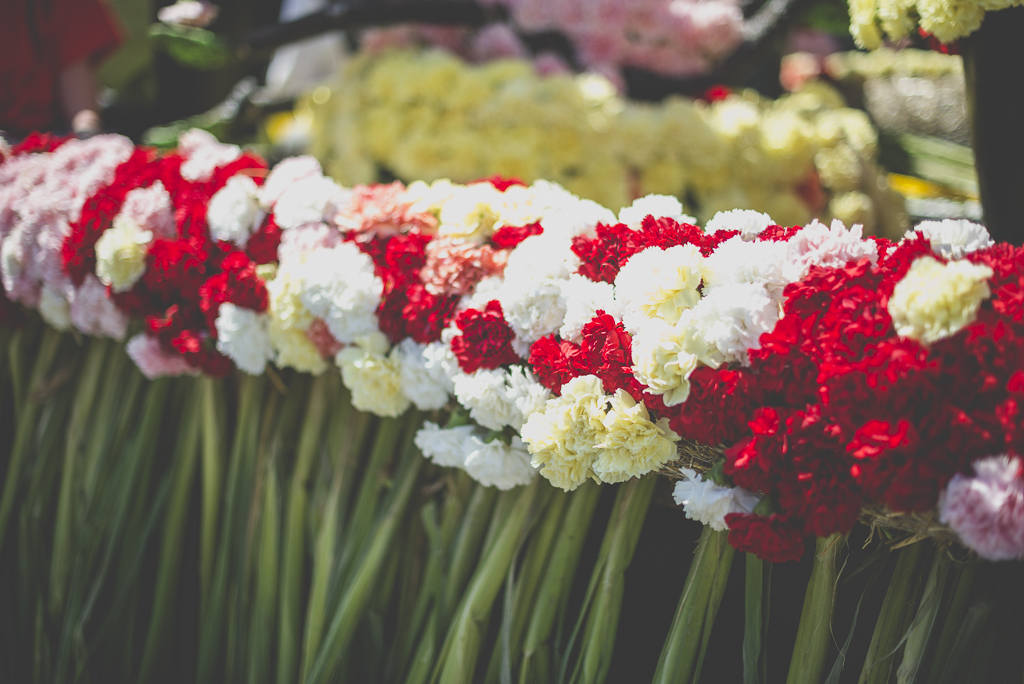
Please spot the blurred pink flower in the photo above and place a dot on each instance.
(381, 211)
(154, 362)
(987, 510)
(454, 268)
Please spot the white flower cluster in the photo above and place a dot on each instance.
(706, 502)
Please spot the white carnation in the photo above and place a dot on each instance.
(121, 254)
(308, 200)
(749, 223)
(284, 174)
(339, 286)
(831, 247)
(447, 447)
(706, 502)
(526, 394)
(54, 308)
(583, 298)
(658, 206)
(233, 213)
(439, 360)
(657, 283)
(485, 394)
(954, 239)
(496, 464)
(204, 154)
(732, 319)
(243, 336)
(94, 313)
(374, 380)
(424, 381)
(532, 310)
(735, 261)
(575, 217)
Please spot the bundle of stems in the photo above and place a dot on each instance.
(261, 529)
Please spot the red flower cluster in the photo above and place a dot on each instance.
(486, 339)
(36, 142)
(604, 254)
(507, 237)
(187, 277)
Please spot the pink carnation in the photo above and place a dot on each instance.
(203, 153)
(151, 209)
(497, 41)
(987, 510)
(381, 211)
(322, 339)
(154, 362)
(306, 238)
(454, 268)
(94, 313)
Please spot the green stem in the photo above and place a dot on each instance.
(359, 591)
(213, 618)
(173, 534)
(921, 629)
(814, 635)
(84, 399)
(608, 581)
(26, 423)
(683, 653)
(757, 599)
(963, 592)
(295, 534)
(467, 546)
(900, 601)
(553, 595)
(457, 663)
(528, 582)
(267, 552)
(212, 399)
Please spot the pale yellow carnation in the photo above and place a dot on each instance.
(374, 380)
(471, 212)
(563, 438)
(948, 20)
(121, 254)
(664, 357)
(632, 445)
(935, 300)
(287, 325)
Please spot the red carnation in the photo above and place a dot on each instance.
(773, 539)
(607, 349)
(425, 315)
(500, 183)
(486, 339)
(262, 245)
(238, 284)
(39, 142)
(556, 362)
(507, 237)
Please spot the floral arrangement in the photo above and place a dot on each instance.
(946, 21)
(671, 38)
(829, 374)
(427, 115)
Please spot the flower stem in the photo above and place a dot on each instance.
(295, 533)
(683, 654)
(26, 423)
(173, 533)
(757, 598)
(84, 398)
(814, 635)
(900, 602)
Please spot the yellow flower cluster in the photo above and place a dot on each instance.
(586, 433)
(947, 20)
(888, 62)
(425, 115)
(936, 300)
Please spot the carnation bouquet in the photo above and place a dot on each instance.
(363, 432)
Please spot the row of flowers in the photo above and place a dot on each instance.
(947, 21)
(426, 115)
(550, 335)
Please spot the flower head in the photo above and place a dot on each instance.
(935, 300)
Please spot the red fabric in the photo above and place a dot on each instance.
(65, 33)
